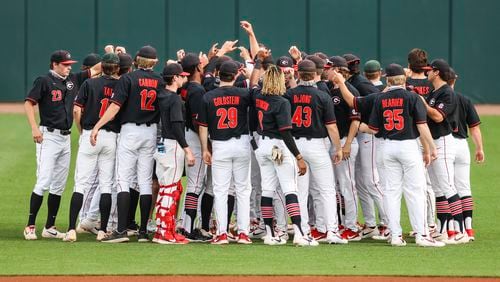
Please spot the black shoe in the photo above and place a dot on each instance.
(133, 229)
(143, 237)
(116, 237)
(183, 232)
(197, 236)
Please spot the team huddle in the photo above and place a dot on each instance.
(285, 147)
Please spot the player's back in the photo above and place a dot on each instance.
(136, 93)
(311, 110)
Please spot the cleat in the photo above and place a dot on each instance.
(335, 238)
(197, 236)
(441, 237)
(143, 237)
(244, 239)
(470, 233)
(231, 237)
(305, 241)
(206, 233)
(350, 235)
(70, 236)
(101, 235)
(398, 241)
(52, 233)
(317, 235)
(427, 241)
(88, 225)
(30, 233)
(220, 240)
(116, 237)
(457, 238)
(369, 232)
(273, 241)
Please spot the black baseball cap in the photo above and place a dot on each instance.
(220, 61)
(61, 57)
(111, 58)
(229, 67)
(284, 62)
(147, 52)
(190, 60)
(337, 61)
(173, 69)
(125, 60)
(91, 60)
(394, 70)
(320, 63)
(441, 65)
(453, 74)
(307, 66)
(351, 59)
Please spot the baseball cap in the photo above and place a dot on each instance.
(351, 59)
(147, 52)
(61, 57)
(229, 67)
(190, 60)
(220, 61)
(337, 61)
(110, 58)
(441, 65)
(284, 62)
(453, 74)
(394, 70)
(307, 66)
(125, 60)
(91, 60)
(173, 69)
(372, 66)
(318, 62)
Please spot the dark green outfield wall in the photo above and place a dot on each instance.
(464, 32)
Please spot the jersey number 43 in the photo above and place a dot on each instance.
(302, 116)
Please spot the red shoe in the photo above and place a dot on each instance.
(318, 236)
(350, 235)
(220, 240)
(244, 239)
(470, 233)
(341, 228)
(180, 239)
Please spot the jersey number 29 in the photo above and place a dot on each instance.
(228, 118)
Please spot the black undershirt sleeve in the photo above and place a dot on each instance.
(178, 131)
(289, 142)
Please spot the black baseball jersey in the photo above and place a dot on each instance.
(171, 110)
(273, 114)
(323, 86)
(396, 114)
(225, 112)
(311, 109)
(421, 86)
(364, 106)
(136, 93)
(211, 82)
(343, 113)
(443, 100)
(465, 116)
(192, 93)
(93, 98)
(363, 85)
(55, 98)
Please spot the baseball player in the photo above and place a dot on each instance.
(54, 93)
(441, 104)
(230, 149)
(367, 176)
(192, 93)
(135, 98)
(373, 72)
(313, 120)
(170, 156)
(277, 153)
(347, 123)
(90, 104)
(399, 117)
(465, 117)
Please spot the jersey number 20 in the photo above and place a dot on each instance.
(228, 118)
(394, 119)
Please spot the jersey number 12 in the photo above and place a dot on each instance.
(148, 97)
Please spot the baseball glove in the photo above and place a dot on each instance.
(277, 155)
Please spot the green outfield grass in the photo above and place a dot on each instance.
(17, 167)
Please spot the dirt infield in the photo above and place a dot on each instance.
(239, 278)
(17, 108)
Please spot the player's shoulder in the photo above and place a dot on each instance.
(195, 87)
